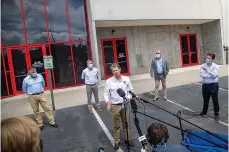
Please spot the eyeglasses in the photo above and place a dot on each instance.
(157, 53)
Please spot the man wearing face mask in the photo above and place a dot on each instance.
(209, 72)
(159, 70)
(90, 75)
(34, 85)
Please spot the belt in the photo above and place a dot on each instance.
(91, 84)
(37, 93)
(118, 104)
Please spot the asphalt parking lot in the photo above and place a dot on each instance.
(81, 132)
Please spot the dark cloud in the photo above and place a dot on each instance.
(12, 31)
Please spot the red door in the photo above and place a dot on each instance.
(114, 50)
(20, 59)
(189, 50)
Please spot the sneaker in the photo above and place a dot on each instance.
(90, 111)
(165, 98)
(116, 147)
(130, 143)
(217, 118)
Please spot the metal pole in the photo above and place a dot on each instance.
(51, 89)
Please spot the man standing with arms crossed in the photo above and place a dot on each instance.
(159, 70)
(34, 85)
(209, 72)
(114, 102)
(91, 79)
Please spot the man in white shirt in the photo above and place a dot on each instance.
(90, 76)
(115, 102)
(209, 72)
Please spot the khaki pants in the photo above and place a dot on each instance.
(95, 90)
(35, 100)
(161, 78)
(117, 114)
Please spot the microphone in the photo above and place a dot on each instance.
(121, 93)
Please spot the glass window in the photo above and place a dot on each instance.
(121, 55)
(57, 20)
(11, 23)
(36, 59)
(35, 21)
(3, 80)
(63, 69)
(9, 83)
(6, 60)
(81, 53)
(77, 19)
(19, 65)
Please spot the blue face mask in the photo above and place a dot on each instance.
(208, 61)
(34, 75)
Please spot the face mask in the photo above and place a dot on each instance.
(208, 61)
(158, 56)
(90, 66)
(34, 75)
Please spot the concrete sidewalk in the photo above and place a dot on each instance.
(18, 105)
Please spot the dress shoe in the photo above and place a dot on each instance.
(116, 147)
(202, 114)
(130, 143)
(156, 98)
(217, 118)
(54, 125)
(90, 111)
(99, 109)
(41, 127)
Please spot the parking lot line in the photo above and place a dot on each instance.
(177, 104)
(219, 88)
(106, 131)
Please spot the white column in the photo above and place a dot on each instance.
(93, 38)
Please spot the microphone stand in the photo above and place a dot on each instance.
(183, 131)
(180, 118)
(142, 138)
(126, 123)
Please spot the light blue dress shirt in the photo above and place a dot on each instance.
(90, 76)
(159, 64)
(34, 85)
(211, 75)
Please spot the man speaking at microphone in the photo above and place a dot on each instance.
(114, 102)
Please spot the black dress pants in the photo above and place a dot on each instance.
(210, 90)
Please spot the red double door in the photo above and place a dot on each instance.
(20, 59)
(189, 49)
(114, 50)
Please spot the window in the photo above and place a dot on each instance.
(3, 80)
(11, 29)
(77, 19)
(35, 21)
(63, 68)
(81, 55)
(5, 59)
(57, 21)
